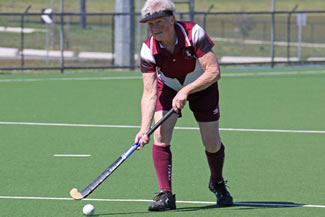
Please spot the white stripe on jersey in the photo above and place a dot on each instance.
(188, 43)
(197, 33)
(175, 84)
(146, 54)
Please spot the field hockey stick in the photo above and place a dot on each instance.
(102, 177)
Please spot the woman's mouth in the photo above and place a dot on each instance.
(158, 34)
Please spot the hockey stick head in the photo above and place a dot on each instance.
(101, 178)
(75, 194)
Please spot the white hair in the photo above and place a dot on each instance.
(152, 6)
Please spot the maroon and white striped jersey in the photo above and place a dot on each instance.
(180, 68)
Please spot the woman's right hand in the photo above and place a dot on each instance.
(142, 138)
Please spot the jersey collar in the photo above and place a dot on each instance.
(182, 40)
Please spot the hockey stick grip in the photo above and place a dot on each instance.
(150, 131)
(162, 120)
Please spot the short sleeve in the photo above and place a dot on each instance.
(201, 41)
(148, 63)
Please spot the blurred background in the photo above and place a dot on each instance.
(85, 34)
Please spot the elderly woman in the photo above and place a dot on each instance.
(178, 65)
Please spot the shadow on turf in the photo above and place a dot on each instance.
(263, 205)
(244, 205)
(119, 213)
(184, 209)
(241, 205)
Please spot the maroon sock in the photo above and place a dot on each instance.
(215, 161)
(162, 160)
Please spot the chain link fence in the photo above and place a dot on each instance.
(86, 40)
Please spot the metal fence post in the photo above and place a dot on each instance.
(132, 35)
(83, 19)
(124, 33)
(113, 39)
(205, 16)
(61, 36)
(289, 32)
(273, 34)
(22, 25)
(191, 9)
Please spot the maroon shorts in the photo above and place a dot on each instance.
(203, 104)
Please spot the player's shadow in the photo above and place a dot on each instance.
(120, 213)
(237, 205)
(244, 205)
(266, 205)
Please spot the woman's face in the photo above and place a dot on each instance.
(161, 28)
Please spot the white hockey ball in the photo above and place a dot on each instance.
(88, 210)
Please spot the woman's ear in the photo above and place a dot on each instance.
(173, 20)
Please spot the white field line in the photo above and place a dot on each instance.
(224, 74)
(248, 74)
(71, 155)
(178, 128)
(179, 201)
(278, 43)
(72, 79)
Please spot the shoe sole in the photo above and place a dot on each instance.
(159, 210)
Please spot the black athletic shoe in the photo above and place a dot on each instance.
(163, 201)
(223, 196)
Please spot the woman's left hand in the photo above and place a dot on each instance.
(179, 100)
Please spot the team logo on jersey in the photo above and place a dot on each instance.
(216, 111)
(187, 53)
(158, 69)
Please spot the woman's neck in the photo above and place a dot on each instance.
(170, 44)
